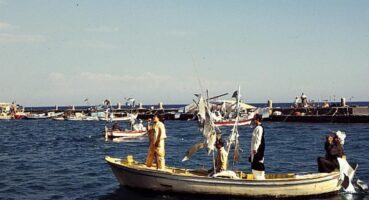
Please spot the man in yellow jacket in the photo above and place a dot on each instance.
(157, 136)
(221, 161)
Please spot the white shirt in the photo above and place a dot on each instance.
(256, 138)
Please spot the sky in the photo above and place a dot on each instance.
(61, 52)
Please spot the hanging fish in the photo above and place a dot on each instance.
(195, 148)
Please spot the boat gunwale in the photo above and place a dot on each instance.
(218, 180)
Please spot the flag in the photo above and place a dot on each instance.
(235, 94)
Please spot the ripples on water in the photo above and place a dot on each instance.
(46, 159)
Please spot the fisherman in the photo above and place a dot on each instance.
(304, 100)
(257, 149)
(221, 161)
(334, 150)
(157, 136)
(296, 102)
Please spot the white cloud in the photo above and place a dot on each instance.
(92, 44)
(113, 77)
(6, 38)
(3, 2)
(6, 26)
(179, 33)
(147, 87)
(102, 29)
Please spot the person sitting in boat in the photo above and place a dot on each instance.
(221, 161)
(334, 150)
(139, 126)
(116, 127)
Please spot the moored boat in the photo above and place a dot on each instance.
(37, 116)
(231, 122)
(109, 133)
(136, 175)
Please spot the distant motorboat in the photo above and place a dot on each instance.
(11, 111)
(61, 118)
(231, 122)
(37, 116)
(110, 134)
(137, 130)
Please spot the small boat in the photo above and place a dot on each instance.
(60, 118)
(124, 133)
(137, 130)
(37, 116)
(11, 111)
(136, 175)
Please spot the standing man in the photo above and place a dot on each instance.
(151, 151)
(257, 149)
(157, 136)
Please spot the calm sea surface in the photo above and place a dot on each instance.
(45, 159)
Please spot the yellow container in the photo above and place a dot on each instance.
(249, 176)
(130, 159)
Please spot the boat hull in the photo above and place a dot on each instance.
(124, 134)
(232, 122)
(169, 181)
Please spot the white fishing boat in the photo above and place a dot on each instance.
(231, 122)
(137, 130)
(109, 133)
(136, 175)
(37, 116)
(228, 183)
(11, 111)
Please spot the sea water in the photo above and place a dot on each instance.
(45, 159)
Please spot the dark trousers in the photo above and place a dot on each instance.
(256, 165)
(327, 165)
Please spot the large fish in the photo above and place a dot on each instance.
(206, 127)
(195, 148)
(347, 173)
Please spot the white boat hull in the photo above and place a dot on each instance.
(124, 134)
(182, 181)
(232, 122)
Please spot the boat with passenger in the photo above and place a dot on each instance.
(134, 174)
(136, 130)
(230, 183)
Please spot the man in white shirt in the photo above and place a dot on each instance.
(257, 149)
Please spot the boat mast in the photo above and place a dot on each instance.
(233, 138)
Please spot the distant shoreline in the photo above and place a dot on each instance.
(275, 105)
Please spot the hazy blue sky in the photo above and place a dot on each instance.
(61, 52)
